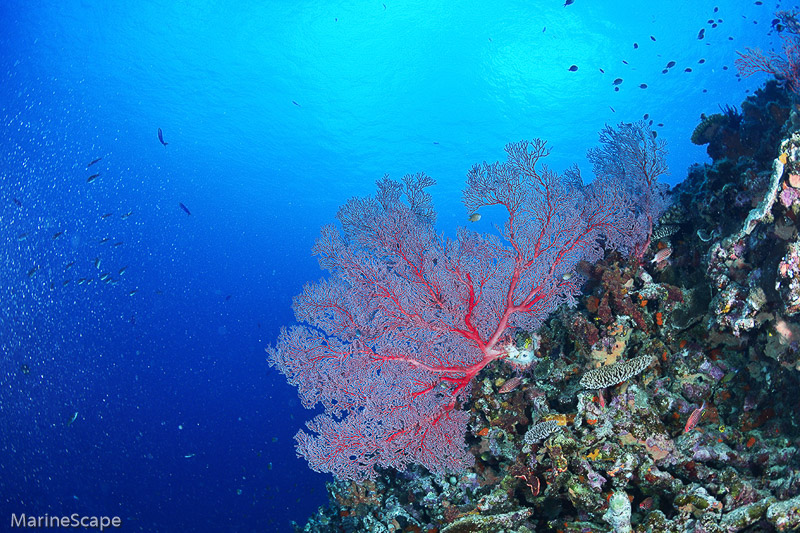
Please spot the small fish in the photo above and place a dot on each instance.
(189, 456)
(57, 234)
(568, 2)
(134, 291)
(702, 33)
(22, 236)
(612, 109)
(32, 271)
(643, 86)
(105, 240)
(19, 204)
(646, 504)
(510, 385)
(73, 419)
(295, 103)
(92, 177)
(104, 276)
(617, 81)
(687, 69)
(652, 38)
(635, 46)
(670, 64)
(119, 243)
(106, 215)
(180, 204)
(625, 62)
(126, 215)
(93, 161)
(646, 116)
(661, 255)
(65, 283)
(474, 217)
(573, 68)
(701, 61)
(602, 71)
(97, 263)
(81, 281)
(694, 418)
(161, 137)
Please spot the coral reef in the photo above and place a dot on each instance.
(585, 429)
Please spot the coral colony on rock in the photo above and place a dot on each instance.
(620, 358)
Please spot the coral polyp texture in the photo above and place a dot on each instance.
(613, 374)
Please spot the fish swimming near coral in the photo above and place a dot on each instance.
(161, 137)
(510, 385)
(661, 255)
(694, 418)
(180, 204)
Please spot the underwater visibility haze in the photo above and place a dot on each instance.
(166, 168)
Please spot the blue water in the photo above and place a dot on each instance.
(273, 116)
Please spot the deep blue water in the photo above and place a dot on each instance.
(274, 116)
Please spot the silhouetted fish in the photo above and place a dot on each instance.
(161, 137)
(670, 64)
(568, 2)
(19, 204)
(702, 33)
(617, 81)
(652, 38)
(635, 46)
(93, 161)
(92, 177)
(180, 204)
(573, 68)
(643, 86)
(295, 103)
